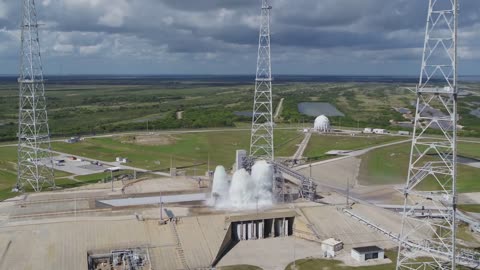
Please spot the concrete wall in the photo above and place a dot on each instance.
(361, 257)
(357, 256)
(260, 229)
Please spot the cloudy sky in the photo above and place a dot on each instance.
(371, 37)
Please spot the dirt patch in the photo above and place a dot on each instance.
(149, 139)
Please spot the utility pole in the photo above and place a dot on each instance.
(261, 141)
(35, 162)
(434, 157)
(161, 207)
(111, 176)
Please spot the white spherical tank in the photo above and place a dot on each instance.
(322, 124)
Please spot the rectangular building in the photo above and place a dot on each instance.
(331, 246)
(362, 254)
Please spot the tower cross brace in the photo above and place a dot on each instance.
(35, 163)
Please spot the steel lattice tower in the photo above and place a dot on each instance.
(429, 221)
(261, 144)
(35, 164)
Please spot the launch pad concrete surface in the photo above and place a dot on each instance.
(56, 230)
(68, 225)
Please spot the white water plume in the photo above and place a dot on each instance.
(221, 186)
(245, 191)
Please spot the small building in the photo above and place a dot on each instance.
(113, 169)
(362, 254)
(380, 131)
(367, 130)
(331, 247)
(121, 160)
(73, 140)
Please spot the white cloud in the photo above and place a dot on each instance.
(3, 9)
(114, 17)
(215, 35)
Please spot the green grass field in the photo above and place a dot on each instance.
(320, 144)
(389, 165)
(8, 172)
(475, 208)
(323, 264)
(184, 150)
(471, 150)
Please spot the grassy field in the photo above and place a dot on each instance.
(389, 165)
(320, 144)
(183, 149)
(8, 174)
(323, 264)
(475, 208)
(464, 233)
(471, 150)
(101, 105)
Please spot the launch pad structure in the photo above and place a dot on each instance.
(430, 234)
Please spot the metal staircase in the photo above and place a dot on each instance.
(178, 248)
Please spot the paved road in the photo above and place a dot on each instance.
(351, 154)
(279, 108)
(113, 164)
(156, 200)
(302, 146)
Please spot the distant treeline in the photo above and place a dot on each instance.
(192, 118)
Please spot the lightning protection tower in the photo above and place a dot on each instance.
(261, 143)
(429, 222)
(35, 164)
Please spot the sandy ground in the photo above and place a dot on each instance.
(337, 173)
(469, 198)
(271, 254)
(150, 139)
(343, 172)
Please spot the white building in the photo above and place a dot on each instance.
(368, 130)
(362, 254)
(331, 247)
(322, 124)
(380, 131)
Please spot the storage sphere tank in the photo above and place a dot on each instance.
(322, 124)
